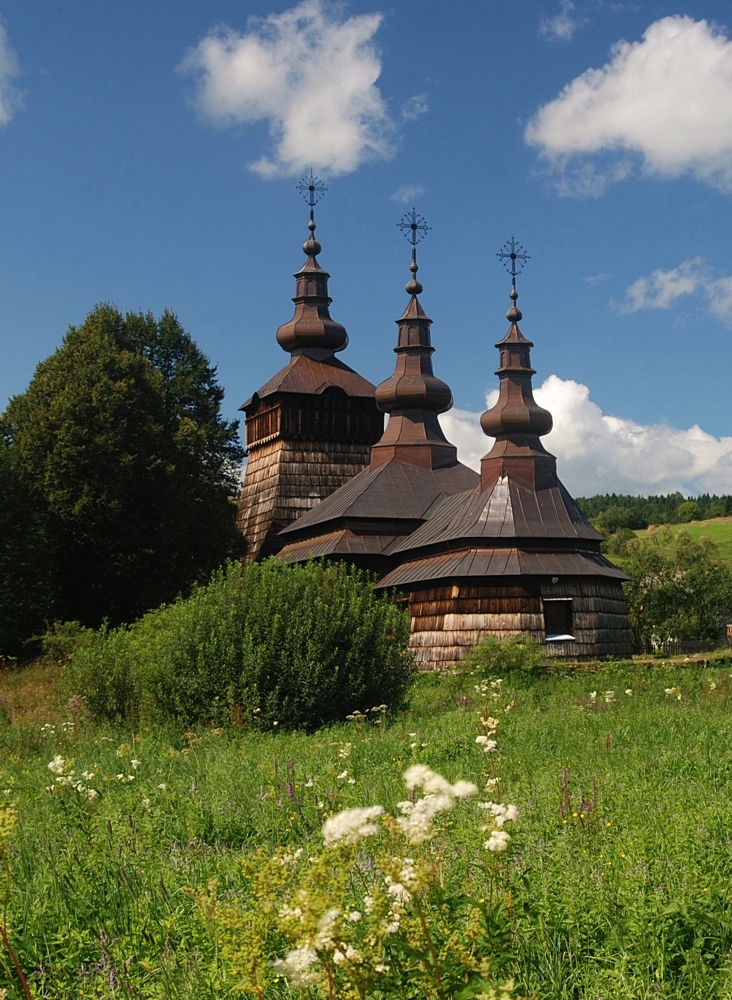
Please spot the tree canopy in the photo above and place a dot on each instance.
(120, 443)
(678, 588)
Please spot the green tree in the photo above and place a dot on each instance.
(119, 438)
(679, 589)
(27, 584)
(687, 511)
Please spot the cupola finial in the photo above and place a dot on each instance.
(415, 229)
(312, 189)
(514, 259)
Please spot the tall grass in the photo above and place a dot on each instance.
(616, 886)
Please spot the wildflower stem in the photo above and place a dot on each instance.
(431, 947)
(16, 963)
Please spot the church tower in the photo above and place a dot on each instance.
(413, 467)
(515, 555)
(310, 428)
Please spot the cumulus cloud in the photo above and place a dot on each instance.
(662, 289)
(599, 453)
(9, 96)
(664, 103)
(407, 193)
(311, 74)
(563, 25)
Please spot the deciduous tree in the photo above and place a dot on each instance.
(120, 438)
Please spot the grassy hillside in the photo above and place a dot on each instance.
(718, 530)
(181, 876)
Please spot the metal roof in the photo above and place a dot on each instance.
(471, 562)
(308, 374)
(396, 491)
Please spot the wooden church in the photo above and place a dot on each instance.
(504, 553)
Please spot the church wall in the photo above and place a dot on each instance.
(448, 620)
(284, 479)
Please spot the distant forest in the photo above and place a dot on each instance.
(610, 512)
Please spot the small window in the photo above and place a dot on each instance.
(558, 623)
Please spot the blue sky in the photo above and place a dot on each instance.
(151, 151)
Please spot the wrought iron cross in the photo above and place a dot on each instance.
(514, 259)
(415, 229)
(312, 191)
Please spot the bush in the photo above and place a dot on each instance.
(494, 657)
(296, 646)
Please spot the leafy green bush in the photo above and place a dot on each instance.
(494, 657)
(294, 646)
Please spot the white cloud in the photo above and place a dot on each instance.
(598, 453)
(563, 25)
(407, 193)
(597, 279)
(662, 289)
(415, 107)
(664, 102)
(311, 74)
(9, 97)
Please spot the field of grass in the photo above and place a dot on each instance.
(615, 883)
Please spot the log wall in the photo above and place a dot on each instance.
(284, 479)
(447, 621)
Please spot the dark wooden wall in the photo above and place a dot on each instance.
(448, 620)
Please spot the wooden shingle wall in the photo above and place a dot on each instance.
(447, 621)
(284, 479)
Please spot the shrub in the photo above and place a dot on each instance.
(295, 646)
(497, 657)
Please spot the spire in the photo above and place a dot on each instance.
(413, 396)
(311, 329)
(516, 421)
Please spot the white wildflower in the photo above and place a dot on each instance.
(134, 764)
(295, 967)
(351, 824)
(498, 841)
(397, 891)
(291, 859)
(57, 765)
(420, 776)
(609, 697)
(354, 916)
(499, 812)
(325, 939)
(629, 692)
(344, 751)
(488, 745)
(349, 955)
(343, 774)
(593, 696)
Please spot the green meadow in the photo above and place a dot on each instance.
(717, 530)
(156, 863)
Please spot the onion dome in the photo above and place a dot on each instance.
(516, 411)
(413, 386)
(311, 328)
